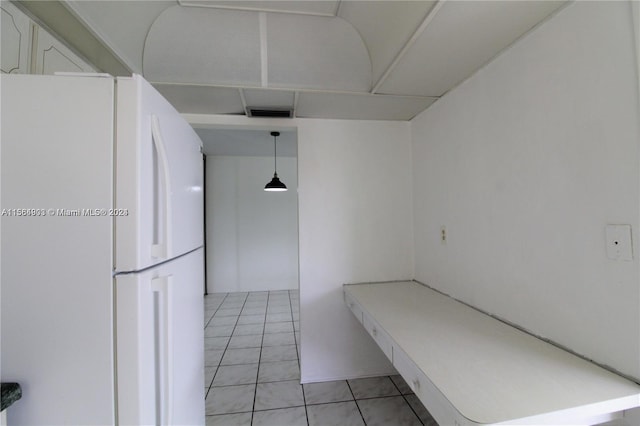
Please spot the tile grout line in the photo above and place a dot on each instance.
(217, 309)
(405, 399)
(218, 366)
(229, 341)
(264, 326)
(295, 341)
(356, 402)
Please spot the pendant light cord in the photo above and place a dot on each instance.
(275, 157)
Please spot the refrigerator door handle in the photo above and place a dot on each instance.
(161, 249)
(163, 344)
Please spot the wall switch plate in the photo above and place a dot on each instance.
(619, 242)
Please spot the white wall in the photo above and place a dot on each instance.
(355, 226)
(252, 235)
(525, 164)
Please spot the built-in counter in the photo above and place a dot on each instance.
(468, 368)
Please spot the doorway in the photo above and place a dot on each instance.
(251, 235)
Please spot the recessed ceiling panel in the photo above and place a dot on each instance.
(324, 7)
(122, 25)
(317, 53)
(202, 99)
(360, 107)
(463, 36)
(200, 45)
(385, 26)
(269, 98)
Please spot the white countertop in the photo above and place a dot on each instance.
(489, 371)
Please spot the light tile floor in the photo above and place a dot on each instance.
(252, 372)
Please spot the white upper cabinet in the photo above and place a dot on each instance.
(16, 40)
(52, 56)
(29, 49)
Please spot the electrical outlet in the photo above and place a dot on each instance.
(443, 234)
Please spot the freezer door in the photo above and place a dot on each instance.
(159, 179)
(160, 344)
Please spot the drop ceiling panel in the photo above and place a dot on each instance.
(462, 37)
(122, 25)
(317, 53)
(202, 99)
(360, 106)
(200, 45)
(385, 26)
(269, 98)
(324, 7)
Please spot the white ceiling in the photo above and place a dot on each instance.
(345, 59)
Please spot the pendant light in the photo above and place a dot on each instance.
(275, 184)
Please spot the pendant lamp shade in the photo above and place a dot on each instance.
(275, 185)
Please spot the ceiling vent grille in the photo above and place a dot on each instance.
(269, 112)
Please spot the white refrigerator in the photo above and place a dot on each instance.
(101, 253)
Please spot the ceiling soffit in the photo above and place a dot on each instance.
(256, 49)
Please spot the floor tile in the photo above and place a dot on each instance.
(223, 321)
(321, 393)
(232, 304)
(278, 339)
(278, 371)
(278, 317)
(209, 372)
(401, 384)
(278, 353)
(227, 312)
(238, 342)
(278, 327)
(296, 325)
(251, 319)
(248, 329)
(240, 295)
(241, 356)
(278, 395)
(230, 399)
(419, 409)
(218, 331)
(373, 387)
(239, 419)
(276, 309)
(335, 414)
(253, 311)
(213, 357)
(215, 343)
(296, 416)
(228, 375)
(388, 411)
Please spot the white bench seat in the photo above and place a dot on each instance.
(468, 368)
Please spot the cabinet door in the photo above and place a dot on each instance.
(52, 56)
(16, 39)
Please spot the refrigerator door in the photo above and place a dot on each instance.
(56, 310)
(160, 344)
(159, 179)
